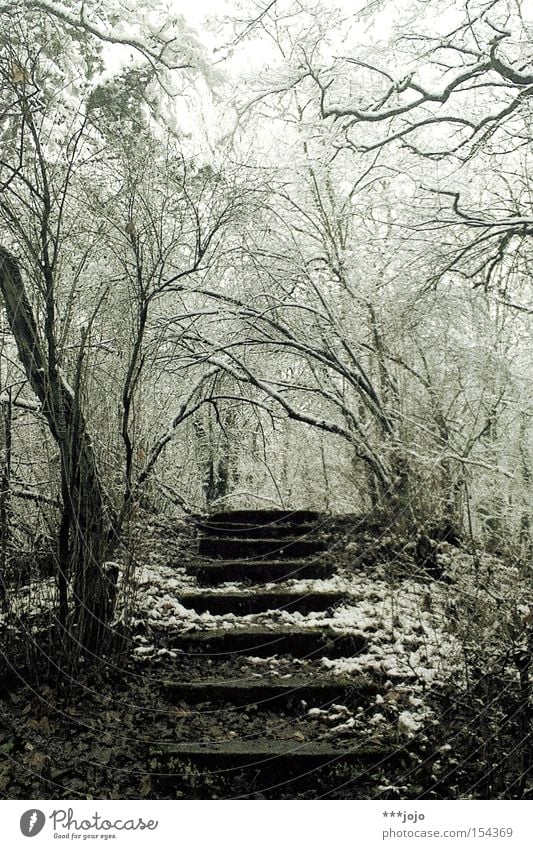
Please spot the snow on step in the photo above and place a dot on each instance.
(273, 531)
(259, 518)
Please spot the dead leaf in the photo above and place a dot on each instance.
(42, 725)
(146, 785)
(5, 775)
(35, 761)
(103, 756)
(393, 696)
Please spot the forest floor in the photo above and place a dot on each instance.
(97, 733)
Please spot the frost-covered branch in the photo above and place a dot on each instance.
(161, 44)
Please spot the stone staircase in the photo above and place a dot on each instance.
(257, 549)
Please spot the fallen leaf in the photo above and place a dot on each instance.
(35, 761)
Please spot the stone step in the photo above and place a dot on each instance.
(213, 573)
(264, 642)
(244, 603)
(275, 530)
(227, 548)
(273, 693)
(261, 517)
(276, 762)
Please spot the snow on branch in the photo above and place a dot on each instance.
(30, 406)
(171, 45)
(26, 495)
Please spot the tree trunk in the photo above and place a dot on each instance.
(90, 514)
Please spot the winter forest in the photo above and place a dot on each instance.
(265, 399)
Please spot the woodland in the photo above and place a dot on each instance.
(265, 255)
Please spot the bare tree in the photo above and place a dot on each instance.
(41, 176)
